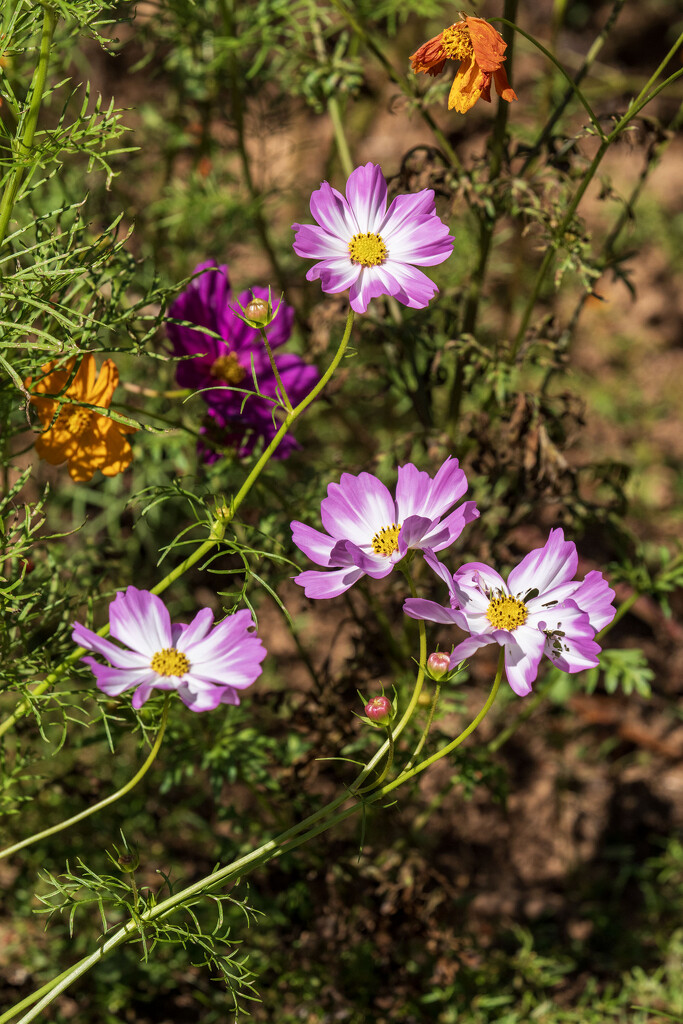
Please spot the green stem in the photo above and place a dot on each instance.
(276, 372)
(218, 526)
(487, 224)
(641, 101)
(425, 731)
(572, 84)
(340, 139)
(588, 62)
(385, 771)
(239, 868)
(102, 803)
(25, 145)
(400, 80)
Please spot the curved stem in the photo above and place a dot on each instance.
(487, 224)
(102, 803)
(276, 372)
(218, 526)
(570, 81)
(425, 731)
(25, 146)
(588, 62)
(340, 139)
(239, 868)
(635, 108)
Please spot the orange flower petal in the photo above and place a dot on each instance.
(467, 87)
(488, 44)
(429, 57)
(503, 87)
(86, 440)
(101, 446)
(102, 390)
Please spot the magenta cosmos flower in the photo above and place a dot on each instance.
(206, 666)
(362, 246)
(541, 609)
(368, 531)
(226, 355)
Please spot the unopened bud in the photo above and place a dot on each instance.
(438, 664)
(128, 860)
(259, 312)
(379, 710)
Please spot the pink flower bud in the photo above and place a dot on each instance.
(379, 710)
(438, 664)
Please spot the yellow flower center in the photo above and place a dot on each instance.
(456, 42)
(506, 613)
(228, 368)
(368, 250)
(73, 419)
(385, 541)
(170, 662)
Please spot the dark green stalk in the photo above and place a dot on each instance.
(285, 842)
(488, 223)
(24, 147)
(633, 110)
(588, 62)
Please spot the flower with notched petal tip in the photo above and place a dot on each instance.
(369, 532)
(74, 431)
(481, 52)
(363, 246)
(207, 665)
(541, 609)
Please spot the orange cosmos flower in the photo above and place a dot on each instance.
(79, 434)
(480, 50)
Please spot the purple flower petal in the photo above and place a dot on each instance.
(414, 289)
(113, 681)
(317, 546)
(419, 608)
(410, 231)
(140, 620)
(545, 567)
(221, 659)
(466, 649)
(476, 574)
(368, 285)
(522, 657)
(366, 193)
(116, 655)
(332, 212)
(327, 584)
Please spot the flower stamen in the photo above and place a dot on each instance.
(73, 418)
(456, 42)
(228, 368)
(170, 662)
(506, 612)
(385, 541)
(368, 250)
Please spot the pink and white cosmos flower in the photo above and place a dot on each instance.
(206, 666)
(541, 609)
(369, 531)
(362, 246)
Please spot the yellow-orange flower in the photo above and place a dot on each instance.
(79, 434)
(481, 52)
